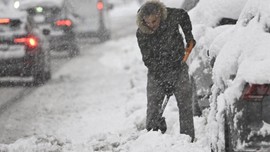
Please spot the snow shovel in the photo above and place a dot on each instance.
(188, 51)
(161, 123)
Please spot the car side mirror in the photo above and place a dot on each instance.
(46, 32)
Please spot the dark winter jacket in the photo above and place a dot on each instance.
(162, 50)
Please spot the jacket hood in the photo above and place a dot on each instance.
(140, 15)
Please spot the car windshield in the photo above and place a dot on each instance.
(7, 25)
(44, 15)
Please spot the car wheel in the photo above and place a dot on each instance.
(42, 71)
(235, 131)
(74, 51)
(227, 135)
(41, 78)
(104, 35)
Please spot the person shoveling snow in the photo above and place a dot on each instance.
(163, 53)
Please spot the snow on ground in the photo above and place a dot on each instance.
(97, 102)
(100, 106)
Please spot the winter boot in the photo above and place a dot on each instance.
(161, 123)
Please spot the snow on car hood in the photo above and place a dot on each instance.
(6, 12)
(49, 3)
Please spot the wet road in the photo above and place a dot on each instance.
(13, 93)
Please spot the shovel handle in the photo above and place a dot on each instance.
(188, 51)
(186, 57)
(164, 104)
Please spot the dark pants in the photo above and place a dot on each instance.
(183, 94)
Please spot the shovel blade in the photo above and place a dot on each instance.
(162, 125)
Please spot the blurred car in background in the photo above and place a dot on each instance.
(55, 16)
(92, 18)
(24, 50)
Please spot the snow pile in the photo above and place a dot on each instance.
(38, 144)
(155, 141)
(132, 140)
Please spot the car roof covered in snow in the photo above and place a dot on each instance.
(10, 12)
(25, 4)
(209, 12)
(246, 53)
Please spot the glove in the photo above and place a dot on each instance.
(188, 49)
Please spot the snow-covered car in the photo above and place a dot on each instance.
(210, 19)
(92, 18)
(239, 118)
(24, 50)
(53, 15)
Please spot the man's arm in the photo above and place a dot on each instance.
(147, 55)
(183, 19)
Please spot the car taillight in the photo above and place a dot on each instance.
(255, 92)
(4, 20)
(100, 5)
(63, 23)
(30, 41)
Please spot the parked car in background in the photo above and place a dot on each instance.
(239, 118)
(92, 18)
(24, 50)
(55, 16)
(209, 24)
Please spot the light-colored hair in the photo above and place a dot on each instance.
(149, 8)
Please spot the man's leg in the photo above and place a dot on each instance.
(155, 96)
(183, 95)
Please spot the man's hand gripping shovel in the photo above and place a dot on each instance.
(188, 51)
